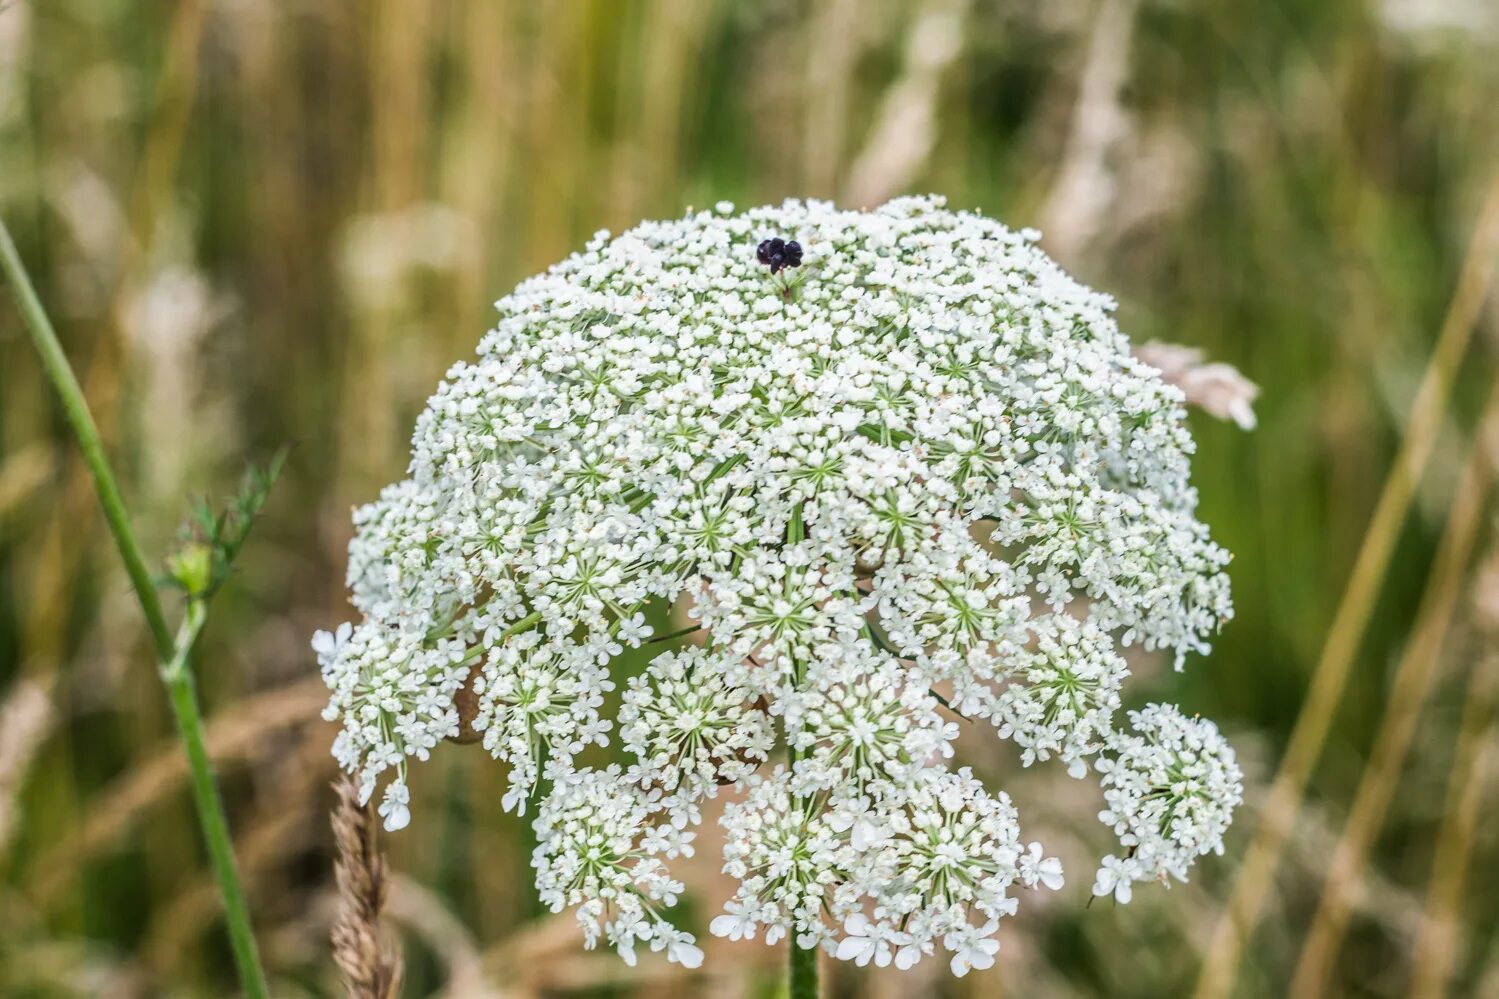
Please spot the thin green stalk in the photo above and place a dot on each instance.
(673, 636)
(801, 971)
(44, 338)
(172, 654)
(183, 690)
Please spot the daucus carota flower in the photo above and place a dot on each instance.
(599, 852)
(1061, 697)
(924, 482)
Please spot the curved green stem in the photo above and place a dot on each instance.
(173, 655)
(44, 338)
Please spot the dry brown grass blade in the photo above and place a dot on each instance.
(834, 45)
(1412, 683)
(371, 967)
(230, 736)
(1084, 193)
(1253, 882)
(23, 473)
(426, 916)
(1470, 777)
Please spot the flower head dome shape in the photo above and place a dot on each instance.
(914, 475)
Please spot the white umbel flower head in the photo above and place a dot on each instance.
(902, 470)
(691, 729)
(1061, 699)
(865, 718)
(598, 852)
(1171, 787)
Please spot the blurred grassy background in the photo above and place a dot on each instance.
(258, 223)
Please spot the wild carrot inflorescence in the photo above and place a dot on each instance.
(934, 484)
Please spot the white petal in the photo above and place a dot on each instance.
(852, 948)
(686, 954)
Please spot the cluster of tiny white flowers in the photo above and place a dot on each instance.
(690, 730)
(1064, 694)
(1171, 788)
(599, 853)
(865, 718)
(915, 480)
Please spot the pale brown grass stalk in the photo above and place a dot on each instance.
(26, 719)
(21, 474)
(835, 41)
(1256, 873)
(427, 916)
(1472, 777)
(484, 156)
(1086, 188)
(1473, 765)
(371, 968)
(905, 133)
(1408, 693)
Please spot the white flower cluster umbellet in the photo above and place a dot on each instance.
(1171, 788)
(914, 482)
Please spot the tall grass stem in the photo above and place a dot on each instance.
(1408, 695)
(173, 654)
(1435, 954)
(60, 372)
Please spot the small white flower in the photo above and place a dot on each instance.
(1036, 868)
(394, 807)
(685, 953)
(327, 644)
(1115, 877)
(971, 948)
(733, 925)
(867, 941)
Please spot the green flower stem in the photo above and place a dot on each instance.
(803, 981)
(801, 978)
(183, 690)
(673, 636)
(172, 654)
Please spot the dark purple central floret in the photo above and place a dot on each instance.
(778, 254)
